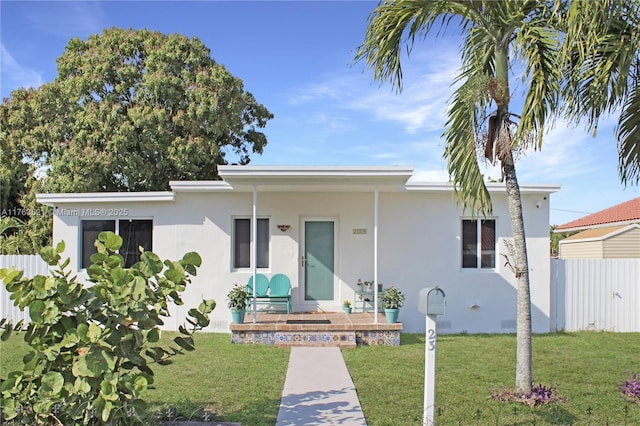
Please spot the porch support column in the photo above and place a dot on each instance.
(375, 256)
(254, 249)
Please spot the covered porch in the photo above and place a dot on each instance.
(316, 329)
(328, 222)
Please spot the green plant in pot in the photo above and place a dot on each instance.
(392, 300)
(237, 303)
(346, 306)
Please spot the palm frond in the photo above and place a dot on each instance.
(396, 23)
(461, 155)
(628, 133)
(538, 48)
(601, 47)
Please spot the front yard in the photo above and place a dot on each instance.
(243, 383)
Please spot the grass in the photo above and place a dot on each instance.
(243, 383)
(585, 368)
(235, 383)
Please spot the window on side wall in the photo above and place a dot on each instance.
(478, 244)
(242, 243)
(134, 233)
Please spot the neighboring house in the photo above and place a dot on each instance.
(612, 233)
(326, 228)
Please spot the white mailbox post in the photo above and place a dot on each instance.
(431, 302)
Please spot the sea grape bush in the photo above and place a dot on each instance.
(540, 395)
(631, 388)
(92, 346)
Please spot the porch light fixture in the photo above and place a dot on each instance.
(284, 228)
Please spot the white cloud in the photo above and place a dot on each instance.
(569, 152)
(72, 18)
(421, 106)
(16, 75)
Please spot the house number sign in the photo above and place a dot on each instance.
(431, 302)
(359, 231)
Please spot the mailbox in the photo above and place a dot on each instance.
(431, 301)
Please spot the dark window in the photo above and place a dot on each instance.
(488, 236)
(134, 233)
(90, 231)
(469, 244)
(479, 243)
(242, 243)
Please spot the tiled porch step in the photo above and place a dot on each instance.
(342, 338)
(342, 330)
(344, 345)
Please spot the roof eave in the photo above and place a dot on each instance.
(104, 197)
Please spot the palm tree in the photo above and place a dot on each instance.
(497, 36)
(602, 51)
(581, 59)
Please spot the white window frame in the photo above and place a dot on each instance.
(234, 242)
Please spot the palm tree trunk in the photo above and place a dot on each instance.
(523, 331)
(500, 93)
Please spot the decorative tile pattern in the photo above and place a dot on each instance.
(373, 337)
(343, 330)
(367, 338)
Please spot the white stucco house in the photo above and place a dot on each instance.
(325, 228)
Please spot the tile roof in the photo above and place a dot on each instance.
(627, 212)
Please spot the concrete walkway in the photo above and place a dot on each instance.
(318, 390)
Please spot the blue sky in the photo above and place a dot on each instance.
(296, 57)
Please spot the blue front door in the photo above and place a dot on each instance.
(319, 254)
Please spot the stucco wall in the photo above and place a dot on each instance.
(419, 246)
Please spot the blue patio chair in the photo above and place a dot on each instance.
(280, 290)
(261, 289)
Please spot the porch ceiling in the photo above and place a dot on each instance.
(316, 178)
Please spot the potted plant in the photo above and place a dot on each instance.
(237, 303)
(368, 286)
(346, 306)
(392, 300)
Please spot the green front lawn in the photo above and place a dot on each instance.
(585, 368)
(244, 383)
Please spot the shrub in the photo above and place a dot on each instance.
(540, 395)
(631, 388)
(92, 347)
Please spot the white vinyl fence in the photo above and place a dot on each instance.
(595, 294)
(32, 265)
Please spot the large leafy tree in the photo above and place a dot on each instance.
(129, 111)
(132, 109)
(546, 42)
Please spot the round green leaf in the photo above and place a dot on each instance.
(192, 258)
(174, 275)
(49, 255)
(153, 335)
(36, 311)
(51, 383)
(111, 241)
(151, 262)
(108, 391)
(98, 257)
